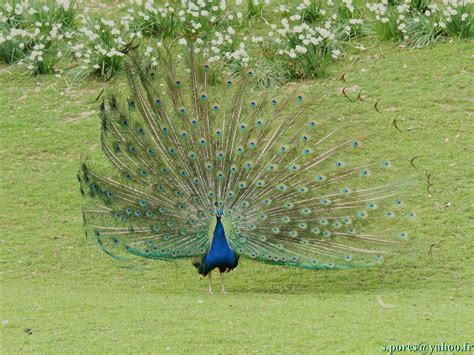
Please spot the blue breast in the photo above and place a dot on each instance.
(220, 254)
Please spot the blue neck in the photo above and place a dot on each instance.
(219, 240)
(220, 254)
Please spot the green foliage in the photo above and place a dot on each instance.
(416, 5)
(309, 65)
(52, 12)
(15, 41)
(17, 46)
(460, 24)
(312, 12)
(100, 49)
(421, 31)
(387, 28)
(254, 10)
(159, 22)
(36, 34)
(25, 25)
(350, 23)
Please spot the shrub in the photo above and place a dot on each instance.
(33, 34)
(201, 18)
(255, 9)
(458, 17)
(99, 47)
(152, 20)
(302, 49)
(15, 40)
(422, 30)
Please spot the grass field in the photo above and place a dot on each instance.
(74, 298)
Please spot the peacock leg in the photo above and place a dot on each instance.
(210, 283)
(222, 282)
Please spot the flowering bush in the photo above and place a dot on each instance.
(34, 34)
(15, 41)
(255, 8)
(349, 19)
(458, 15)
(199, 18)
(100, 45)
(422, 21)
(308, 37)
(153, 20)
(281, 39)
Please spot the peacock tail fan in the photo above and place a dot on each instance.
(296, 188)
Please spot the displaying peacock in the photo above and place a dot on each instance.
(214, 170)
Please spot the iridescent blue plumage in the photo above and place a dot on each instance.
(220, 254)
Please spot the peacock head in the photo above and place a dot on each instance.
(219, 211)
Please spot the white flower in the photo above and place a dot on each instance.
(182, 41)
(301, 49)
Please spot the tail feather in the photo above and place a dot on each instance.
(297, 188)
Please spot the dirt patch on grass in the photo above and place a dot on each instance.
(80, 116)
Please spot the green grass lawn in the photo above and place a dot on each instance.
(74, 298)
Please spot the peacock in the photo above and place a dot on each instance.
(214, 169)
